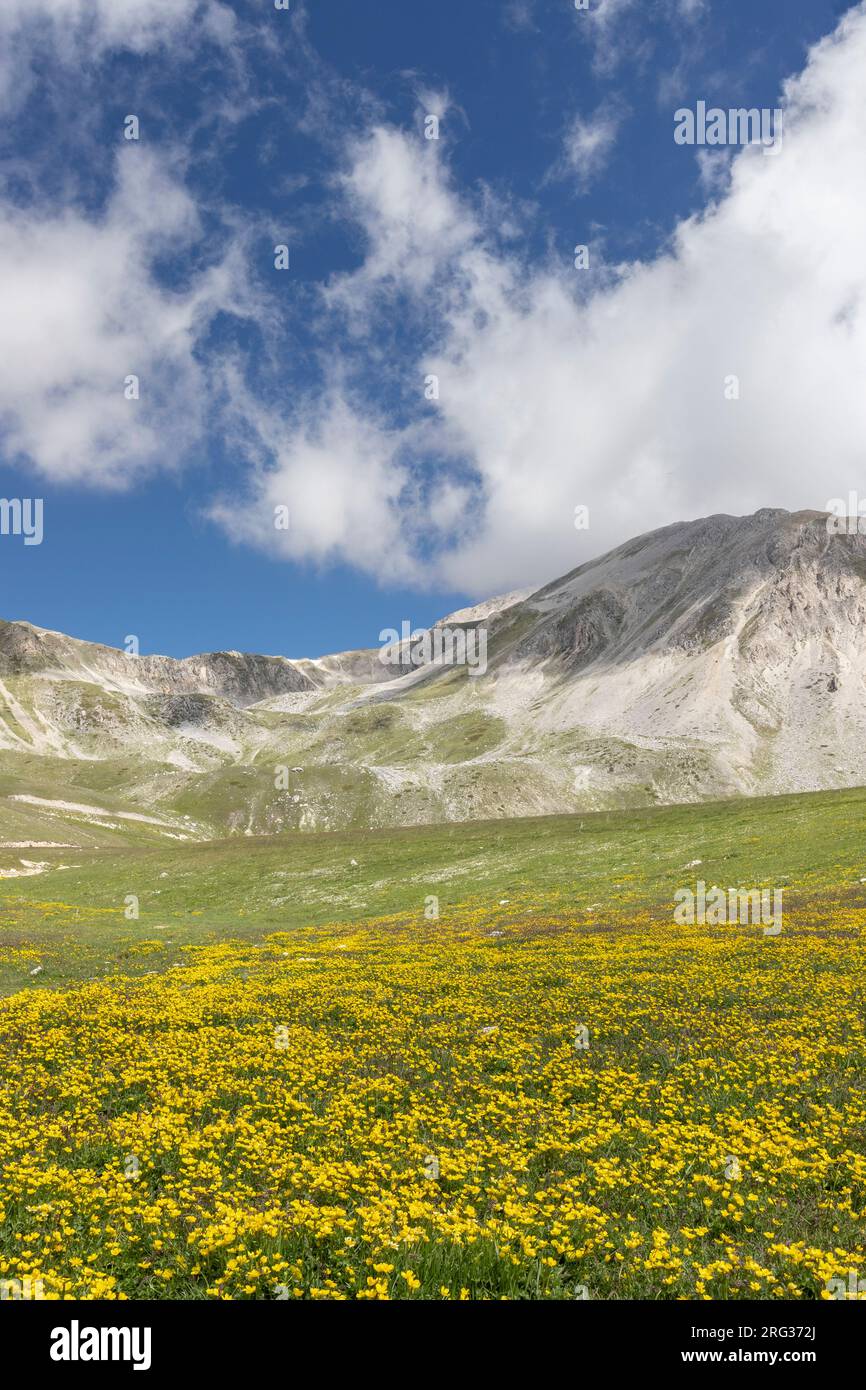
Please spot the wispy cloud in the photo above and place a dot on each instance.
(588, 145)
(74, 32)
(621, 31)
(519, 15)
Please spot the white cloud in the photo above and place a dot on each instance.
(83, 310)
(348, 493)
(552, 397)
(623, 30)
(607, 28)
(551, 393)
(398, 191)
(619, 402)
(714, 168)
(350, 483)
(134, 24)
(74, 31)
(346, 484)
(588, 145)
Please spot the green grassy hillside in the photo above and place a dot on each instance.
(595, 865)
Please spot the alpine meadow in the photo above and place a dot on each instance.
(432, 671)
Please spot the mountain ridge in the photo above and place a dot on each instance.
(712, 658)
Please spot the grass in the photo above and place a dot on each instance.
(344, 1079)
(248, 885)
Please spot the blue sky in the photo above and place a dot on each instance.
(408, 258)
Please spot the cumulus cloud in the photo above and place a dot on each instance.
(398, 191)
(331, 483)
(333, 474)
(84, 309)
(723, 375)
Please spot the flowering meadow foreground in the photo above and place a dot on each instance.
(519, 1100)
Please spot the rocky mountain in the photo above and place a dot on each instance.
(713, 658)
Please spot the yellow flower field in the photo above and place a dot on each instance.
(505, 1104)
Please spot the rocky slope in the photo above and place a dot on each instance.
(712, 658)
